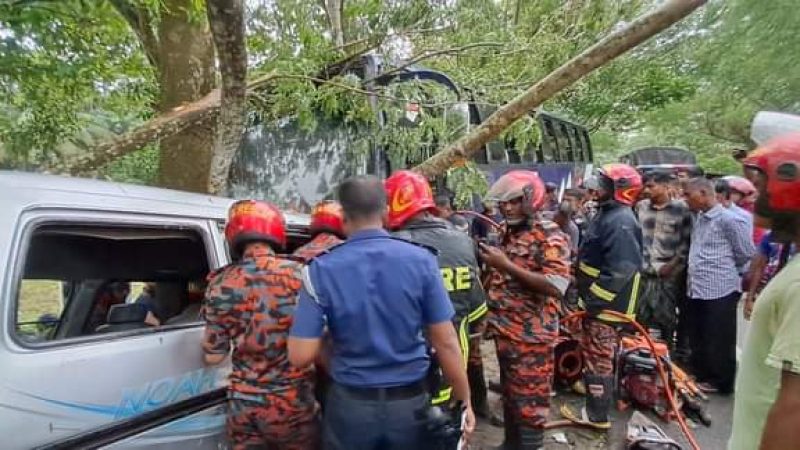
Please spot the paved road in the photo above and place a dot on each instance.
(715, 437)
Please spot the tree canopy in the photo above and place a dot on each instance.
(74, 73)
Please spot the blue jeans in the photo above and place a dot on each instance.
(353, 423)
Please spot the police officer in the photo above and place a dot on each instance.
(326, 228)
(249, 307)
(531, 272)
(608, 278)
(411, 207)
(376, 295)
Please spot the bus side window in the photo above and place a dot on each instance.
(550, 142)
(587, 146)
(569, 142)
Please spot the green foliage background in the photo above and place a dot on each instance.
(72, 74)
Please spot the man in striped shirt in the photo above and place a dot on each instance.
(721, 247)
(666, 230)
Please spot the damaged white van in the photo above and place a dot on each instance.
(100, 304)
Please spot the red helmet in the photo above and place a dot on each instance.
(252, 220)
(519, 183)
(777, 164)
(327, 216)
(408, 194)
(623, 180)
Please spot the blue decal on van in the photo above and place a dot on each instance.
(105, 410)
(151, 396)
(165, 391)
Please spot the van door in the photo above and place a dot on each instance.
(103, 330)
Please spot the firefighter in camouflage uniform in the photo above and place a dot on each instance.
(326, 228)
(411, 217)
(608, 278)
(249, 306)
(530, 274)
(327, 231)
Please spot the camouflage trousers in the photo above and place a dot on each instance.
(526, 376)
(276, 422)
(598, 346)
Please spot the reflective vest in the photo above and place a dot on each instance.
(458, 264)
(610, 262)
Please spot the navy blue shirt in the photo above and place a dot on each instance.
(375, 293)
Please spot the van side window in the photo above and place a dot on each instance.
(85, 280)
(39, 308)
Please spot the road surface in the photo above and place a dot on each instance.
(715, 437)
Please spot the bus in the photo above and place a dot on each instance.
(296, 168)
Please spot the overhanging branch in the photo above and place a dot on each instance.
(607, 49)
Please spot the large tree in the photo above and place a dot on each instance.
(493, 48)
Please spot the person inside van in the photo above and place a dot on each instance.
(111, 293)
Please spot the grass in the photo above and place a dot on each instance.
(37, 297)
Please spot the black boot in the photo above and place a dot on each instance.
(531, 438)
(599, 395)
(511, 434)
(477, 386)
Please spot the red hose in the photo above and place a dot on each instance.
(661, 372)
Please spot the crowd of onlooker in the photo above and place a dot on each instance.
(702, 251)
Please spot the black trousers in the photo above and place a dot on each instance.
(713, 340)
(352, 422)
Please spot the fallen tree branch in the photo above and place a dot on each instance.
(607, 49)
(189, 115)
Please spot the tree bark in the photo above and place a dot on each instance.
(186, 53)
(227, 25)
(334, 9)
(602, 52)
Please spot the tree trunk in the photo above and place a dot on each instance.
(335, 10)
(227, 24)
(578, 67)
(187, 74)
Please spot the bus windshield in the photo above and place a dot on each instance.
(294, 168)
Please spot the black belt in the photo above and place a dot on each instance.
(387, 393)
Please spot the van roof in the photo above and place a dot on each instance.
(22, 190)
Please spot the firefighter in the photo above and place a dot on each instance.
(249, 305)
(411, 217)
(530, 274)
(608, 278)
(326, 228)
